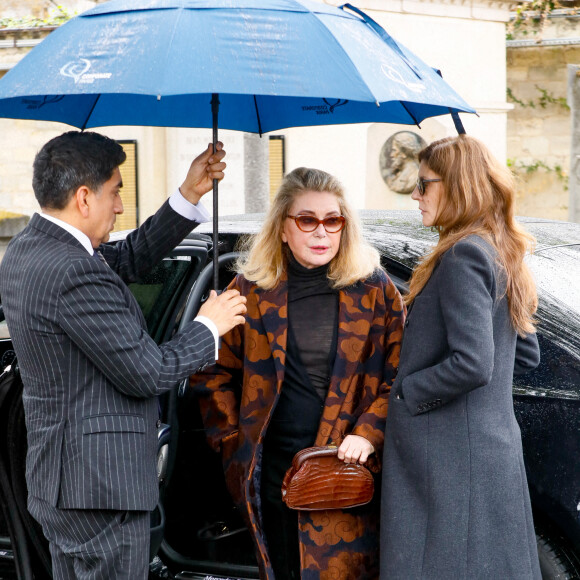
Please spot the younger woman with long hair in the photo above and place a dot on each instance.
(455, 501)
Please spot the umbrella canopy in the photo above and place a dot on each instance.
(274, 64)
(263, 64)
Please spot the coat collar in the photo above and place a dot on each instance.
(53, 230)
(73, 231)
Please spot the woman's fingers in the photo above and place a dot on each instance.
(355, 449)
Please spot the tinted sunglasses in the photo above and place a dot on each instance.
(421, 184)
(308, 223)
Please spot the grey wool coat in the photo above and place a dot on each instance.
(455, 501)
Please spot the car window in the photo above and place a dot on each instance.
(558, 373)
(156, 291)
(397, 272)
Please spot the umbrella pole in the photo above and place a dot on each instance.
(215, 105)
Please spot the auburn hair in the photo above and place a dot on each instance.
(264, 256)
(477, 198)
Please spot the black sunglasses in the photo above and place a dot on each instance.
(308, 223)
(421, 184)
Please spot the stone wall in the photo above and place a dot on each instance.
(538, 139)
(10, 225)
(433, 30)
(42, 8)
(539, 126)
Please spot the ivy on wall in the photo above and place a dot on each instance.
(59, 16)
(527, 168)
(523, 168)
(531, 17)
(546, 98)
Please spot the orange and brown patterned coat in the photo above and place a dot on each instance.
(238, 395)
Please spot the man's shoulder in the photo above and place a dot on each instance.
(37, 252)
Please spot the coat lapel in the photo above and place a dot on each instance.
(273, 307)
(355, 316)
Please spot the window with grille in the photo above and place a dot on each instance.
(277, 165)
(129, 219)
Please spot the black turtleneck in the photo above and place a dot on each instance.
(312, 323)
(310, 353)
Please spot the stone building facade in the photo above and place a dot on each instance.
(539, 125)
(431, 29)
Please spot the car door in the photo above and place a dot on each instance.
(204, 535)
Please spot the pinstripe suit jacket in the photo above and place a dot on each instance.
(90, 370)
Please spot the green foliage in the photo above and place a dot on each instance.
(547, 98)
(543, 101)
(520, 167)
(531, 16)
(56, 18)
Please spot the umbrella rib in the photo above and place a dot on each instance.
(90, 113)
(410, 114)
(258, 116)
(386, 37)
(347, 55)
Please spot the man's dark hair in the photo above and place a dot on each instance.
(71, 160)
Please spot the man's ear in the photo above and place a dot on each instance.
(80, 200)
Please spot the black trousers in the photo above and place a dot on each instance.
(293, 427)
(280, 522)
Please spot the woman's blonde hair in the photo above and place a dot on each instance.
(264, 257)
(477, 197)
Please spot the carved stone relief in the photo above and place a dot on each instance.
(399, 161)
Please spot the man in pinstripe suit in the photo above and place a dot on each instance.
(90, 371)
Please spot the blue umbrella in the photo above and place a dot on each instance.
(273, 63)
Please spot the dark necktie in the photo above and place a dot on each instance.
(99, 256)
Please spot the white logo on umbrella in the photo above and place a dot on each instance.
(76, 69)
(79, 71)
(396, 76)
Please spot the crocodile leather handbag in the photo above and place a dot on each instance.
(318, 480)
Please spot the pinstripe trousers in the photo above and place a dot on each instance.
(95, 544)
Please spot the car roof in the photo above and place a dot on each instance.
(548, 233)
(400, 235)
(397, 227)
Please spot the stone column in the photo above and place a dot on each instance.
(574, 179)
(256, 173)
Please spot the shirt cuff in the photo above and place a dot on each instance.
(186, 209)
(210, 324)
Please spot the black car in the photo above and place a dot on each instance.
(196, 532)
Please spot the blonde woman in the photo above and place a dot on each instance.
(455, 497)
(313, 365)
